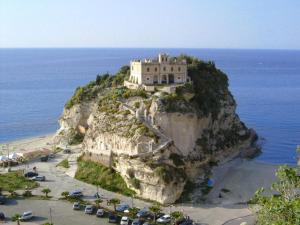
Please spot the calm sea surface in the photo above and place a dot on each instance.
(35, 84)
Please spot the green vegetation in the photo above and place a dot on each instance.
(75, 137)
(64, 163)
(46, 191)
(155, 209)
(210, 86)
(136, 183)
(114, 202)
(176, 215)
(15, 180)
(189, 187)
(177, 159)
(135, 93)
(282, 208)
(92, 89)
(169, 173)
(104, 177)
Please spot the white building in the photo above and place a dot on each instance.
(162, 70)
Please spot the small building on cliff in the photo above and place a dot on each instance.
(160, 71)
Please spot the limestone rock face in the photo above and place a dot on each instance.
(155, 151)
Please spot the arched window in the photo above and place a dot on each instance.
(171, 68)
(164, 68)
(179, 68)
(148, 69)
(155, 69)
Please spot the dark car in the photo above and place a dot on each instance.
(136, 222)
(184, 221)
(44, 158)
(143, 213)
(112, 218)
(67, 151)
(31, 174)
(2, 216)
(2, 199)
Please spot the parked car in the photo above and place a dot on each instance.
(136, 222)
(164, 219)
(76, 193)
(31, 174)
(52, 156)
(67, 151)
(184, 221)
(112, 218)
(2, 199)
(122, 207)
(76, 206)
(2, 216)
(27, 215)
(44, 158)
(39, 178)
(124, 220)
(143, 213)
(100, 213)
(147, 223)
(89, 209)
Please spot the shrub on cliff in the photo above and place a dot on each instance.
(92, 89)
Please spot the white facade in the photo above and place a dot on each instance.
(162, 70)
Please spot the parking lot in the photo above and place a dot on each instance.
(61, 212)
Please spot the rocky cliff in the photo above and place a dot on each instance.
(157, 142)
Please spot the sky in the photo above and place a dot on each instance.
(254, 24)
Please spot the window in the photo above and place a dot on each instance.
(179, 68)
(155, 69)
(147, 78)
(171, 68)
(164, 68)
(148, 69)
(178, 78)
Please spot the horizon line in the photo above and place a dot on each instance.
(281, 49)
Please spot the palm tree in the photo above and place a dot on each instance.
(155, 209)
(114, 201)
(65, 194)
(176, 215)
(46, 191)
(16, 217)
(98, 202)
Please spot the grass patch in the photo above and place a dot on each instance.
(64, 163)
(97, 174)
(15, 180)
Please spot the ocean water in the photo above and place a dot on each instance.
(35, 84)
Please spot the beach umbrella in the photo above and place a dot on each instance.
(13, 156)
(3, 158)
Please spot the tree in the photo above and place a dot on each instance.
(114, 201)
(155, 209)
(46, 191)
(176, 215)
(16, 217)
(65, 194)
(133, 211)
(282, 208)
(98, 202)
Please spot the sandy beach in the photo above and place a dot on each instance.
(239, 177)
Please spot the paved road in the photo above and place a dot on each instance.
(62, 212)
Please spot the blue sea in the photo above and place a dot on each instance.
(35, 84)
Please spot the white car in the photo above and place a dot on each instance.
(164, 219)
(124, 220)
(100, 213)
(89, 209)
(27, 215)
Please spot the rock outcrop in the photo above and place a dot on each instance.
(158, 142)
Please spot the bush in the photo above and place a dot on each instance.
(104, 177)
(135, 183)
(176, 159)
(27, 194)
(64, 163)
(15, 180)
